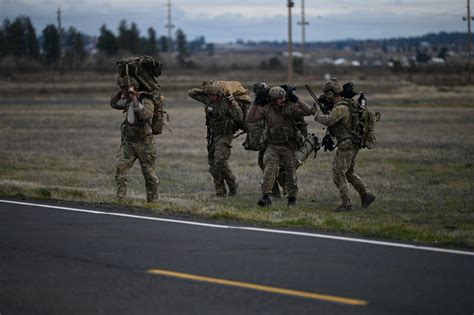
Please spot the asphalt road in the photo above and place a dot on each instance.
(59, 261)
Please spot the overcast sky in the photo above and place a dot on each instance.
(227, 20)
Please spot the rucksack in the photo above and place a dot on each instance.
(363, 124)
(159, 114)
(241, 95)
(144, 71)
(254, 139)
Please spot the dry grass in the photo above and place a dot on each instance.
(422, 171)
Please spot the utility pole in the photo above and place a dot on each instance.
(290, 4)
(303, 24)
(170, 27)
(469, 39)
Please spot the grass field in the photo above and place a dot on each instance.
(422, 170)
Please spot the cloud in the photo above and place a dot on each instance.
(227, 20)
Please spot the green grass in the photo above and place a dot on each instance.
(422, 171)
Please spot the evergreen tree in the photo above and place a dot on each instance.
(182, 46)
(51, 48)
(3, 50)
(32, 44)
(15, 37)
(107, 42)
(19, 38)
(164, 44)
(128, 38)
(133, 39)
(74, 47)
(151, 44)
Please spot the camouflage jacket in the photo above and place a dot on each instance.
(338, 120)
(137, 123)
(222, 117)
(281, 125)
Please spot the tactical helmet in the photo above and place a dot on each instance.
(213, 89)
(276, 92)
(333, 85)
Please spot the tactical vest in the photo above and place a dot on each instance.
(141, 130)
(289, 134)
(340, 130)
(219, 121)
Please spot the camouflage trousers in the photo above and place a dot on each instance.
(276, 155)
(219, 150)
(129, 152)
(343, 171)
(280, 179)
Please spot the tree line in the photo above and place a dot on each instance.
(18, 39)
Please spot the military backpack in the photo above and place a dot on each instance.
(362, 124)
(143, 73)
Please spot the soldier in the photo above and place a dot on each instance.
(339, 125)
(137, 139)
(283, 138)
(223, 115)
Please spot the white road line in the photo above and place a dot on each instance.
(284, 232)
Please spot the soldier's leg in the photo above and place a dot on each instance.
(271, 162)
(340, 166)
(355, 180)
(281, 180)
(221, 157)
(290, 170)
(261, 153)
(146, 152)
(125, 158)
(275, 189)
(366, 197)
(216, 175)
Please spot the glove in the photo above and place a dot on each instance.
(292, 97)
(230, 98)
(261, 97)
(289, 92)
(328, 143)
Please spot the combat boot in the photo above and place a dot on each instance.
(265, 201)
(276, 191)
(221, 193)
(291, 202)
(367, 200)
(233, 189)
(343, 208)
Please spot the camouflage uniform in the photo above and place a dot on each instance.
(281, 138)
(222, 119)
(136, 143)
(339, 126)
(280, 180)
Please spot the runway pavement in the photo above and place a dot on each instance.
(60, 260)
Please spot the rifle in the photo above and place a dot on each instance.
(325, 108)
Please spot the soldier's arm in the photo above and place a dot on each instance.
(117, 102)
(300, 108)
(235, 111)
(144, 109)
(199, 95)
(333, 117)
(255, 114)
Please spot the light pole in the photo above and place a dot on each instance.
(290, 5)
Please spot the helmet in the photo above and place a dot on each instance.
(276, 92)
(332, 85)
(212, 88)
